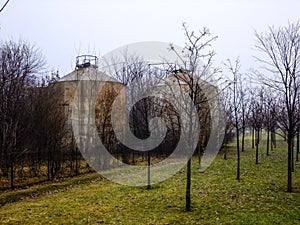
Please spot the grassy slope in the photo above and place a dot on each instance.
(217, 198)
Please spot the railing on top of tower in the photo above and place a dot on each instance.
(84, 61)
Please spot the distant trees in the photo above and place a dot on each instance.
(274, 105)
(135, 74)
(226, 97)
(280, 48)
(269, 122)
(139, 78)
(256, 116)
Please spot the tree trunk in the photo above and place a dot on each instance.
(48, 165)
(188, 187)
(225, 153)
(11, 171)
(256, 154)
(148, 169)
(297, 151)
(257, 142)
(268, 141)
(293, 165)
(200, 150)
(243, 138)
(289, 184)
(274, 139)
(76, 161)
(238, 155)
(253, 138)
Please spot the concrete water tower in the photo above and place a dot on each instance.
(86, 70)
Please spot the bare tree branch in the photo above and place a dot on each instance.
(4, 6)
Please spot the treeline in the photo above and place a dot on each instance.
(33, 125)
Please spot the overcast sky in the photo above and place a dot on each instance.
(63, 29)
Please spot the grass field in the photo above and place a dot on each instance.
(217, 197)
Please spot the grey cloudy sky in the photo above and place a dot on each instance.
(63, 29)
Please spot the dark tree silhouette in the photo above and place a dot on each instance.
(20, 64)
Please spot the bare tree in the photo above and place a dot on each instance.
(244, 109)
(229, 130)
(20, 64)
(237, 105)
(5, 4)
(281, 58)
(269, 107)
(127, 69)
(196, 70)
(139, 77)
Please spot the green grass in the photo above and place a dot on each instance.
(217, 197)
